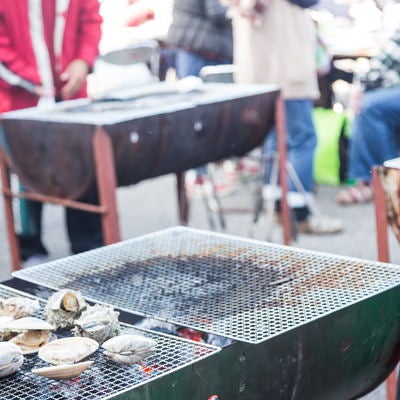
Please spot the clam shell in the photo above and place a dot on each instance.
(64, 371)
(11, 358)
(128, 349)
(18, 307)
(68, 350)
(27, 324)
(30, 342)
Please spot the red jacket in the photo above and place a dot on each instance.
(19, 72)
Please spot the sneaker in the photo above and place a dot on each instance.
(35, 260)
(320, 225)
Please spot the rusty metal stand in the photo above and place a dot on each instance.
(383, 252)
(281, 139)
(106, 184)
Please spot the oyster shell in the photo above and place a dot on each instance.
(128, 349)
(68, 350)
(98, 322)
(18, 307)
(64, 371)
(63, 307)
(11, 358)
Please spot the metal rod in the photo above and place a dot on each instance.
(55, 200)
(183, 201)
(12, 237)
(380, 217)
(383, 251)
(281, 139)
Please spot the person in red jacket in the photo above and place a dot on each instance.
(47, 48)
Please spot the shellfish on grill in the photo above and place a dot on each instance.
(18, 307)
(11, 358)
(97, 322)
(128, 349)
(34, 333)
(63, 307)
(5, 334)
(68, 350)
(64, 371)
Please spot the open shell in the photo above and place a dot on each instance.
(68, 350)
(18, 307)
(31, 341)
(98, 322)
(11, 358)
(27, 324)
(63, 307)
(128, 349)
(5, 334)
(64, 371)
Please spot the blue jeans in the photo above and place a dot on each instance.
(375, 132)
(190, 64)
(301, 141)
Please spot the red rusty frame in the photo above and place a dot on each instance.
(382, 241)
(106, 183)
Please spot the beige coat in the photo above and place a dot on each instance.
(278, 49)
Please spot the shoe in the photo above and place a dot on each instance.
(359, 194)
(320, 225)
(35, 260)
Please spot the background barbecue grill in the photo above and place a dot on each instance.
(306, 325)
(82, 146)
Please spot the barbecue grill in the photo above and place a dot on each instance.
(303, 325)
(154, 131)
(82, 146)
(104, 380)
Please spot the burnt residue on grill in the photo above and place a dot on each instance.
(174, 287)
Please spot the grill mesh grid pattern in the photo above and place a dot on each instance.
(237, 288)
(104, 379)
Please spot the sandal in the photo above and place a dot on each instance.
(359, 194)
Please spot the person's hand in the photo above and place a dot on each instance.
(74, 76)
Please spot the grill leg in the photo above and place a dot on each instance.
(383, 253)
(107, 185)
(9, 215)
(183, 202)
(281, 139)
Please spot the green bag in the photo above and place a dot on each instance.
(333, 131)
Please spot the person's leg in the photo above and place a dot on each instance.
(301, 143)
(374, 134)
(30, 238)
(84, 228)
(188, 64)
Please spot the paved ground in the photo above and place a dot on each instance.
(151, 205)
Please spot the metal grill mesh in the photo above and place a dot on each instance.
(104, 379)
(237, 288)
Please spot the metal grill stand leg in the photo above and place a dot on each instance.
(9, 215)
